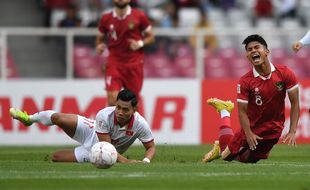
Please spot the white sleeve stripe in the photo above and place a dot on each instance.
(148, 28)
(292, 88)
(147, 141)
(242, 101)
(306, 39)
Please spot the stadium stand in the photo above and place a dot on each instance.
(216, 67)
(186, 65)
(48, 54)
(87, 64)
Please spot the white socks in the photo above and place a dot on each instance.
(224, 113)
(43, 117)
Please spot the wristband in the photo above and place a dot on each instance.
(146, 160)
(140, 43)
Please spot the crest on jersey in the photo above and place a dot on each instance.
(131, 25)
(279, 85)
(129, 133)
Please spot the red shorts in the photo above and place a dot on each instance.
(238, 145)
(131, 78)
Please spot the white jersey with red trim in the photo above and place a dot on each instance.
(123, 137)
(305, 40)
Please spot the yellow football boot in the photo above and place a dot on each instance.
(220, 104)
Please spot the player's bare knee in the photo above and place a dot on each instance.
(56, 118)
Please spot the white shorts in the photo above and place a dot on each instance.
(86, 135)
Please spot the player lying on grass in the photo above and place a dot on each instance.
(261, 105)
(120, 125)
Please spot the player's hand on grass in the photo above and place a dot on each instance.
(100, 48)
(252, 140)
(289, 139)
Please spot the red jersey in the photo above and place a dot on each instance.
(266, 99)
(118, 32)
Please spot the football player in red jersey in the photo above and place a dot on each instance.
(261, 105)
(124, 32)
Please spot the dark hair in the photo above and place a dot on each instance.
(127, 95)
(254, 38)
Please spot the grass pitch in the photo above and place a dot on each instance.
(174, 167)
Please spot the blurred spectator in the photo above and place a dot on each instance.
(148, 4)
(50, 5)
(210, 41)
(186, 3)
(179, 4)
(171, 17)
(96, 7)
(262, 9)
(288, 9)
(72, 19)
(227, 5)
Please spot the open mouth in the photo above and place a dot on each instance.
(255, 57)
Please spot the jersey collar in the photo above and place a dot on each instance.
(128, 12)
(256, 74)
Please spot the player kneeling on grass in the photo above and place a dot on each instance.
(261, 105)
(120, 125)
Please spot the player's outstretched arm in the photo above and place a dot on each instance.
(302, 42)
(100, 46)
(150, 151)
(122, 159)
(290, 137)
(297, 46)
(245, 124)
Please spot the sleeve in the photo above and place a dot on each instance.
(101, 124)
(145, 22)
(306, 39)
(102, 24)
(290, 79)
(146, 133)
(242, 91)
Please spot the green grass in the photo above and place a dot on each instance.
(175, 167)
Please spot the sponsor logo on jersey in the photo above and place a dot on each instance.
(131, 25)
(129, 133)
(238, 89)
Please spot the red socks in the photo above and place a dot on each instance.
(225, 133)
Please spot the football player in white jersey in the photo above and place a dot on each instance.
(120, 125)
(305, 40)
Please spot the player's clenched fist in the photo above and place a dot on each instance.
(297, 46)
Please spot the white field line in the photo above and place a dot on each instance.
(284, 164)
(106, 174)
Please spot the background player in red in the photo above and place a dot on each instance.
(125, 31)
(261, 104)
